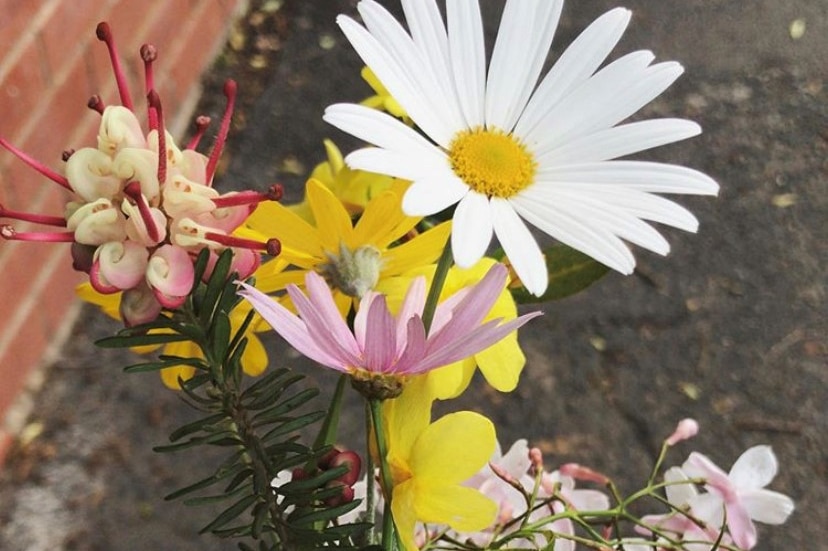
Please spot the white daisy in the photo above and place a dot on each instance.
(508, 150)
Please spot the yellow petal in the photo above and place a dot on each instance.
(423, 249)
(270, 283)
(406, 417)
(110, 304)
(452, 449)
(451, 380)
(254, 358)
(402, 509)
(502, 363)
(382, 223)
(276, 220)
(170, 375)
(333, 222)
(184, 349)
(464, 509)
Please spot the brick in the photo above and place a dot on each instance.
(67, 31)
(16, 23)
(19, 357)
(21, 91)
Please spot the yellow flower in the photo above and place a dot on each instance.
(254, 358)
(430, 461)
(382, 98)
(352, 257)
(355, 188)
(501, 363)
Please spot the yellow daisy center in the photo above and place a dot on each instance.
(492, 162)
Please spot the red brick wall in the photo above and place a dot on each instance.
(51, 64)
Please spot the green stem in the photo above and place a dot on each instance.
(369, 477)
(437, 284)
(385, 474)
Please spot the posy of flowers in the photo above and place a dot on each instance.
(383, 274)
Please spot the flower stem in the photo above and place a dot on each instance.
(369, 477)
(388, 532)
(437, 283)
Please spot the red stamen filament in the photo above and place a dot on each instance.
(249, 197)
(133, 191)
(38, 166)
(9, 233)
(272, 246)
(201, 124)
(95, 103)
(230, 93)
(104, 34)
(155, 104)
(149, 54)
(30, 217)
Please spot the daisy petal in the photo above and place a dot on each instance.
(640, 175)
(404, 87)
(468, 58)
(382, 130)
(419, 70)
(619, 141)
(427, 197)
(601, 245)
(580, 60)
(583, 110)
(520, 246)
(517, 58)
(471, 229)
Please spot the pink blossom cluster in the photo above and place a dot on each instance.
(726, 512)
(142, 208)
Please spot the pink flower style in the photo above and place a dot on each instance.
(138, 217)
(382, 350)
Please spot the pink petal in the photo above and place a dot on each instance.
(415, 347)
(412, 305)
(320, 295)
(742, 529)
(700, 466)
(462, 342)
(380, 339)
(321, 332)
(473, 308)
(288, 325)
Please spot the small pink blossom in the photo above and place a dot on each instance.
(686, 429)
(741, 493)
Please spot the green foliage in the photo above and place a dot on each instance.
(255, 421)
(570, 272)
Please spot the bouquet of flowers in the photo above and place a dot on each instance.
(386, 273)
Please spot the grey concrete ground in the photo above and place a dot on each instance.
(729, 329)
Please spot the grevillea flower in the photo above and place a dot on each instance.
(509, 150)
(352, 257)
(741, 493)
(500, 364)
(382, 351)
(142, 208)
(429, 462)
